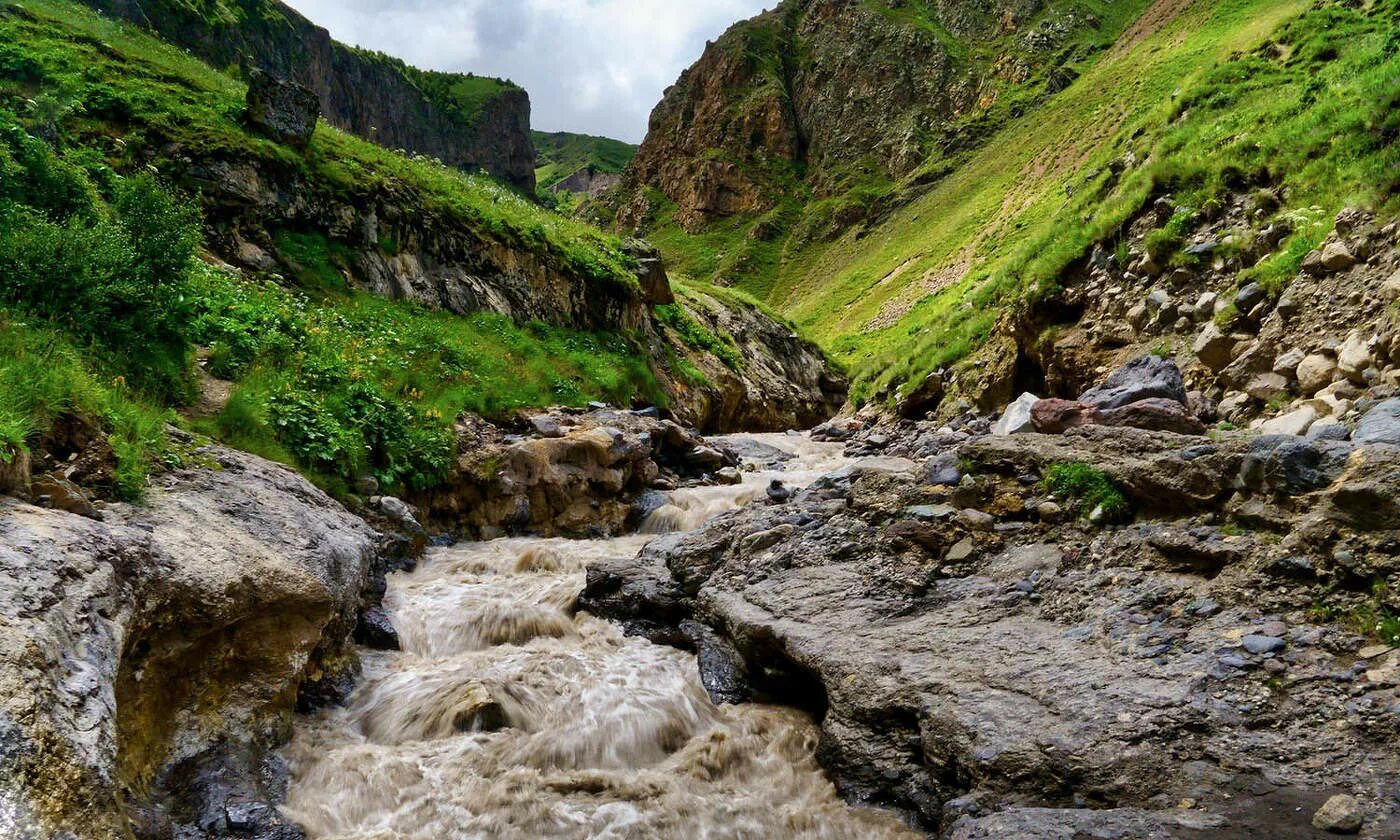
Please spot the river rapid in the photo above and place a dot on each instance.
(505, 716)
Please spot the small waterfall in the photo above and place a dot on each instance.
(505, 716)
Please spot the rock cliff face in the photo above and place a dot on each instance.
(828, 90)
(149, 658)
(371, 95)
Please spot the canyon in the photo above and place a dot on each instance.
(957, 420)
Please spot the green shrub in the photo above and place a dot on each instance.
(696, 336)
(1086, 489)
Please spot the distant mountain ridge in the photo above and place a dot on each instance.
(576, 158)
(466, 121)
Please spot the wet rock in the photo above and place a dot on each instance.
(1342, 814)
(729, 476)
(1149, 377)
(285, 111)
(1017, 417)
(1159, 415)
(1380, 425)
(1054, 416)
(374, 630)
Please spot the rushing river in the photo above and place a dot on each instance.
(506, 717)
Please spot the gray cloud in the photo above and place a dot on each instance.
(592, 66)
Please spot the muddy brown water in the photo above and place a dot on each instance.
(507, 717)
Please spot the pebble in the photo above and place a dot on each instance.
(1258, 644)
(977, 520)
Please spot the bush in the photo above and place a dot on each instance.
(1086, 490)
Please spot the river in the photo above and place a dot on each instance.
(505, 716)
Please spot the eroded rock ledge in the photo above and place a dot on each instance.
(148, 660)
(992, 664)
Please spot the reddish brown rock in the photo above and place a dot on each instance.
(1156, 415)
(1053, 417)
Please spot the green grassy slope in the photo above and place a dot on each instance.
(1200, 94)
(340, 384)
(561, 154)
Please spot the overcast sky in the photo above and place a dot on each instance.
(591, 66)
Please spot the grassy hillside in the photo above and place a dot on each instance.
(561, 154)
(1192, 99)
(105, 298)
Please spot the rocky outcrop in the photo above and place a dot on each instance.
(283, 110)
(986, 658)
(565, 473)
(774, 381)
(814, 86)
(589, 182)
(367, 94)
(148, 661)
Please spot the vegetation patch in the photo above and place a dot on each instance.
(1087, 490)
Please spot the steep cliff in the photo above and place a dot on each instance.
(834, 94)
(465, 121)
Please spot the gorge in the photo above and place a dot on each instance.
(954, 420)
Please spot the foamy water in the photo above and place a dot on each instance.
(506, 716)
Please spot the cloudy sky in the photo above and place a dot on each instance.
(591, 66)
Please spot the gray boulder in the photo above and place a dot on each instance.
(283, 110)
(1380, 425)
(1149, 377)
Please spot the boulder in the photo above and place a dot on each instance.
(1267, 386)
(1354, 358)
(924, 398)
(943, 469)
(283, 110)
(1215, 349)
(1249, 297)
(1342, 814)
(1380, 425)
(1017, 417)
(651, 272)
(1287, 364)
(1295, 422)
(1337, 257)
(1148, 377)
(1285, 465)
(1054, 416)
(1156, 415)
(1315, 372)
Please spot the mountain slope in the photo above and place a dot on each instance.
(917, 274)
(466, 121)
(563, 154)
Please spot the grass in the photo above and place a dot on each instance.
(1087, 490)
(1297, 94)
(561, 154)
(1373, 615)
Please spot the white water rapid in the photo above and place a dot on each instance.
(505, 717)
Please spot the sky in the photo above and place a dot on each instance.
(591, 66)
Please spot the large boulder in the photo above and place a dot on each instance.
(141, 652)
(1149, 377)
(283, 110)
(1157, 415)
(1053, 417)
(1380, 425)
(651, 272)
(1016, 419)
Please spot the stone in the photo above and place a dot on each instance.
(1380, 425)
(400, 511)
(1205, 305)
(1329, 428)
(1287, 364)
(924, 398)
(546, 426)
(1054, 416)
(283, 110)
(729, 476)
(1234, 403)
(1314, 373)
(62, 494)
(1249, 297)
(1342, 814)
(1286, 465)
(1143, 378)
(1137, 317)
(1049, 512)
(1159, 415)
(1390, 289)
(1258, 644)
(1017, 417)
(1201, 407)
(1215, 349)
(943, 469)
(1337, 257)
(961, 551)
(651, 272)
(1295, 422)
(1266, 387)
(1354, 358)
(977, 520)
